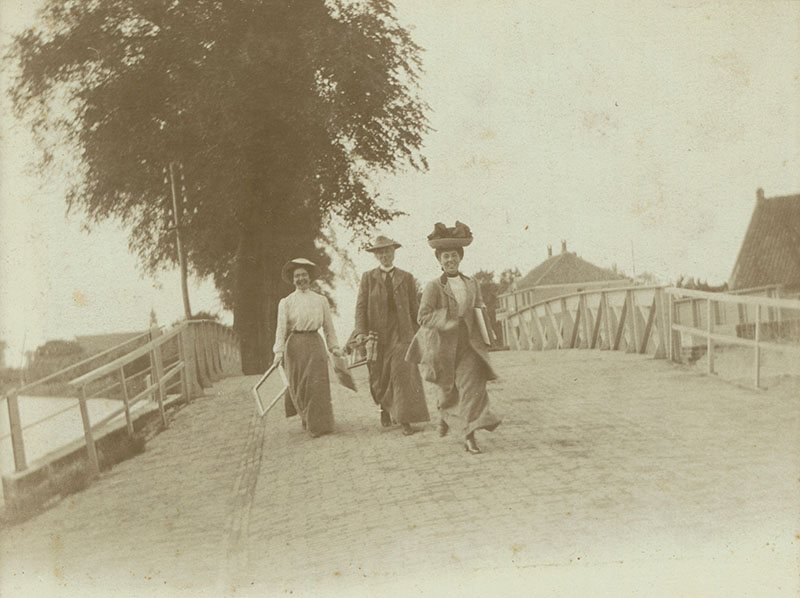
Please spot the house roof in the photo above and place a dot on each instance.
(566, 268)
(770, 252)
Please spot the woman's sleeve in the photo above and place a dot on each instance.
(327, 325)
(280, 328)
(430, 314)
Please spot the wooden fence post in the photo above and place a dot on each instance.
(182, 358)
(634, 328)
(128, 420)
(218, 350)
(15, 423)
(709, 340)
(87, 432)
(758, 349)
(607, 325)
(158, 379)
(674, 335)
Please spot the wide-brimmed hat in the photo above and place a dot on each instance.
(444, 237)
(287, 272)
(382, 241)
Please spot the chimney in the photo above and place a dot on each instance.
(563, 246)
(759, 195)
(549, 251)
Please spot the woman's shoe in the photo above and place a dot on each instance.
(472, 447)
(408, 430)
(386, 419)
(443, 428)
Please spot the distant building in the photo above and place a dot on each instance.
(770, 252)
(97, 343)
(561, 274)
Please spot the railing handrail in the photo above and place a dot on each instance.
(204, 354)
(113, 366)
(740, 299)
(586, 292)
(751, 290)
(89, 359)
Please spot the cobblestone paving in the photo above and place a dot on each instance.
(611, 474)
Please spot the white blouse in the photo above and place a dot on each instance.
(304, 310)
(459, 288)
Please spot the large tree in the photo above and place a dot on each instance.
(279, 112)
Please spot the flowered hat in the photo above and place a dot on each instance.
(287, 272)
(444, 237)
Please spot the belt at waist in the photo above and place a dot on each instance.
(304, 331)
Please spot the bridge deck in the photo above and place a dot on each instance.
(610, 473)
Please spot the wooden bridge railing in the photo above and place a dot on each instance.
(180, 361)
(664, 322)
(628, 319)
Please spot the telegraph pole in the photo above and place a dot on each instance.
(181, 260)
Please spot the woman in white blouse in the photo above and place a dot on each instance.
(299, 346)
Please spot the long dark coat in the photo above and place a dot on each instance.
(371, 304)
(395, 384)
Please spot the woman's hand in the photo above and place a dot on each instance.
(278, 358)
(338, 352)
(449, 324)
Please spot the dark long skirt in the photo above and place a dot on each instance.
(306, 364)
(464, 406)
(395, 383)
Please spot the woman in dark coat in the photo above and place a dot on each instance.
(449, 346)
(299, 346)
(387, 305)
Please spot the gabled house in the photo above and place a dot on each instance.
(770, 252)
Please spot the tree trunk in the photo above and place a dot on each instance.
(249, 307)
(259, 259)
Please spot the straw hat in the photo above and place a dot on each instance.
(444, 237)
(382, 241)
(287, 272)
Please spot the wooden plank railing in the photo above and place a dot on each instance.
(187, 358)
(628, 319)
(712, 326)
(658, 321)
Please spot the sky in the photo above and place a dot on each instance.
(638, 132)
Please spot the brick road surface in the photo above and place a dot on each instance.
(611, 474)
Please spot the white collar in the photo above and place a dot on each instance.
(385, 269)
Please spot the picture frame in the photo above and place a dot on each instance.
(357, 356)
(270, 388)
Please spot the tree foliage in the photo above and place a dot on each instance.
(697, 285)
(279, 112)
